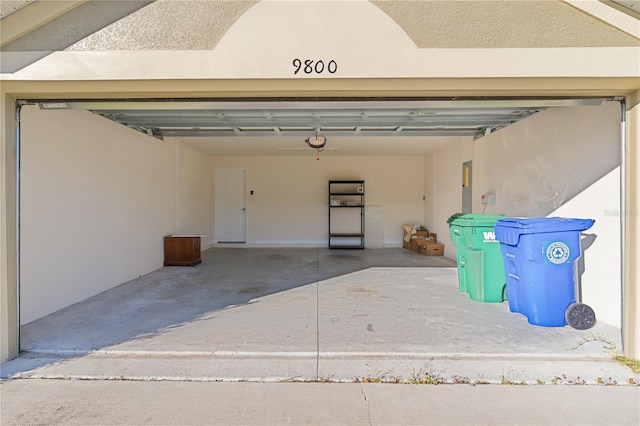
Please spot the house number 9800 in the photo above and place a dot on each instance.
(309, 66)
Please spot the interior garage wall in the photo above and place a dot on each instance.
(429, 191)
(448, 191)
(538, 164)
(600, 265)
(195, 193)
(96, 200)
(559, 162)
(289, 205)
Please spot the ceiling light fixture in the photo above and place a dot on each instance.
(316, 142)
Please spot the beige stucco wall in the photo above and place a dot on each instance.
(8, 232)
(515, 23)
(440, 24)
(631, 307)
(360, 36)
(169, 24)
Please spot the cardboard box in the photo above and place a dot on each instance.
(411, 231)
(433, 249)
(435, 236)
(406, 237)
(423, 242)
(416, 243)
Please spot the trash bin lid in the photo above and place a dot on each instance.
(478, 220)
(454, 217)
(508, 230)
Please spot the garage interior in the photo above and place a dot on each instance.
(284, 307)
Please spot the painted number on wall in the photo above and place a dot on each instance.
(310, 66)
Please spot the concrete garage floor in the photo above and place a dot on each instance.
(273, 314)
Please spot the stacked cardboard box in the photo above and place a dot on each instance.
(432, 247)
(412, 233)
(417, 240)
(435, 249)
(420, 240)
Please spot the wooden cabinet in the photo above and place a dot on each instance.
(182, 250)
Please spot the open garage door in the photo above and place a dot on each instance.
(121, 184)
(244, 119)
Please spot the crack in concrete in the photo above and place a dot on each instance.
(367, 403)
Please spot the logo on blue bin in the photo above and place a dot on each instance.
(558, 252)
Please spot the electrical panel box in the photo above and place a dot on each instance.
(488, 199)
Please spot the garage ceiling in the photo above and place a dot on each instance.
(357, 127)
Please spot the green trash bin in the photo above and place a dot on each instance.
(455, 231)
(480, 262)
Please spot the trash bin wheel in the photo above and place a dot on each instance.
(580, 316)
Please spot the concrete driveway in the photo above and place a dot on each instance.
(99, 402)
(309, 314)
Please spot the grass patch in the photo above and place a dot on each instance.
(633, 364)
(610, 347)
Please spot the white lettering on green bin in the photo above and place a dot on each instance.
(489, 237)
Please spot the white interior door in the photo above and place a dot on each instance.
(230, 206)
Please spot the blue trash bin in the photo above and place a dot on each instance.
(539, 256)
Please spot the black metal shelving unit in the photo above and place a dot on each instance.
(350, 195)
